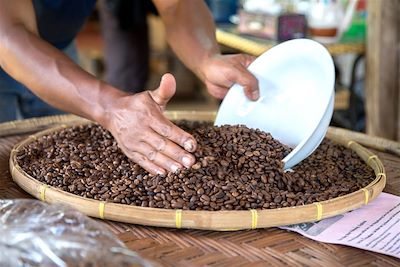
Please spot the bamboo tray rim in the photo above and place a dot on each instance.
(179, 218)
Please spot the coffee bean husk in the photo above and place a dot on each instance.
(236, 168)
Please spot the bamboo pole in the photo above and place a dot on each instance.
(383, 69)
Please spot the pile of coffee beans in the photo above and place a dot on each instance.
(237, 168)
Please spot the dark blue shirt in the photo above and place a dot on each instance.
(59, 21)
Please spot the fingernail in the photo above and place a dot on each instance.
(187, 161)
(174, 168)
(160, 172)
(255, 94)
(188, 145)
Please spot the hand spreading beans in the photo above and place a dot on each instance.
(237, 168)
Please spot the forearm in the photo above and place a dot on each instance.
(190, 31)
(51, 75)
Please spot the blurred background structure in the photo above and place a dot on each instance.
(367, 68)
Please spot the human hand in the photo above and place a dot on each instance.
(220, 72)
(145, 135)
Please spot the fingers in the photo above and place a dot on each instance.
(143, 161)
(247, 80)
(167, 129)
(158, 157)
(171, 150)
(165, 146)
(224, 71)
(157, 154)
(163, 126)
(165, 91)
(238, 75)
(146, 136)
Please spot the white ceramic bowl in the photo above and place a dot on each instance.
(296, 80)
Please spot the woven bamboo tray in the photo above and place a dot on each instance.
(211, 220)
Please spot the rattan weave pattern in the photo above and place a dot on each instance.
(262, 247)
(266, 247)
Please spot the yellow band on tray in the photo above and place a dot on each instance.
(319, 211)
(350, 143)
(13, 172)
(366, 195)
(381, 174)
(42, 192)
(178, 218)
(371, 158)
(102, 206)
(254, 219)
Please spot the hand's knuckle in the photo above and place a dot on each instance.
(165, 130)
(143, 96)
(138, 158)
(249, 83)
(229, 76)
(151, 155)
(160, 144)
(133, 146)
(142, 160)
(141, 116)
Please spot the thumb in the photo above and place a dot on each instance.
(165, 91)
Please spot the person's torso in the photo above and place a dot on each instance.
(59, 21)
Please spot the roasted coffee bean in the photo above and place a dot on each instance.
(204, 198)
(196, 166)
(236, 168)
(200, 191)
(278, 199)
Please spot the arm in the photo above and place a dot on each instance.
(191, 34)
(44, 69)
(136, 121)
